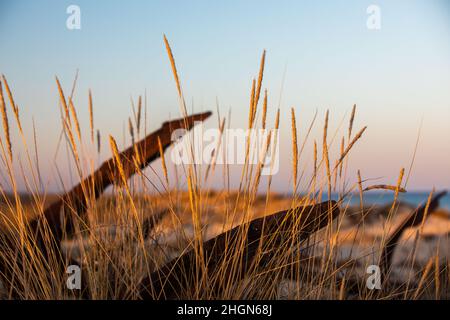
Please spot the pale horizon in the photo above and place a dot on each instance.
(398, 76)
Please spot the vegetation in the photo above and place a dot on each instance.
(150, 239)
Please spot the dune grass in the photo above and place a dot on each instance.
(147, 221)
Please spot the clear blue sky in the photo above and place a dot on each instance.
(396, 75)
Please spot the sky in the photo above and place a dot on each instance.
(320, 55)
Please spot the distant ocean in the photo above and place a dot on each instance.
(381, 198)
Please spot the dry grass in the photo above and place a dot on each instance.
(294, 150)
(144, 223)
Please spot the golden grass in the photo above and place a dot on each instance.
(75, 119)
(14, 107)
(5, 123)
(116, 251)
(163, 162)
(294, 150)
(91, 116)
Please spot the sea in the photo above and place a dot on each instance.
(414, 198)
